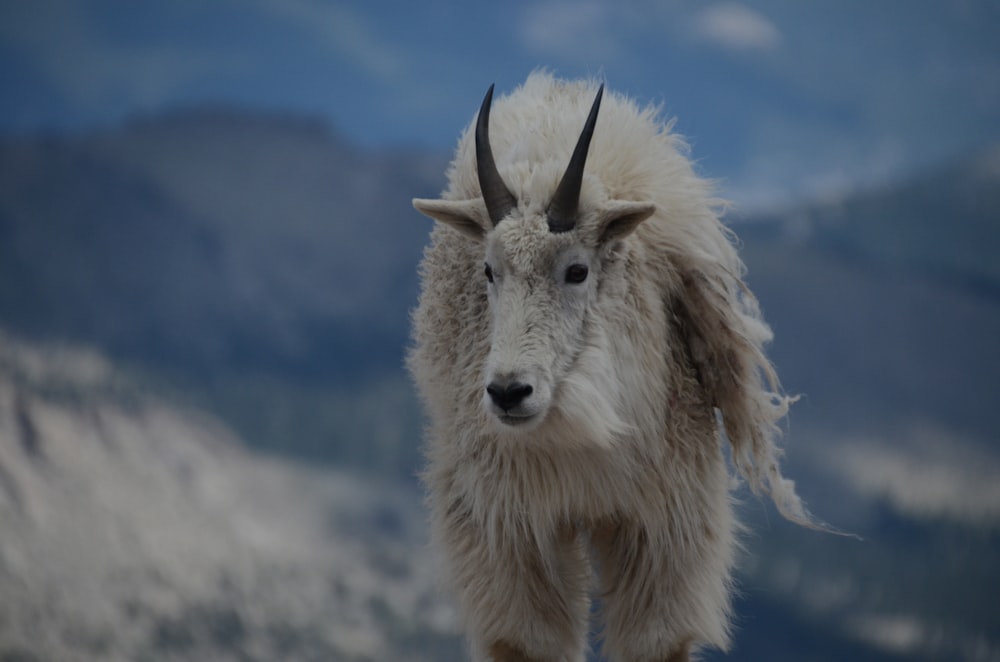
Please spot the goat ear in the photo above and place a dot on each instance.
(466, 216)
(620, 218)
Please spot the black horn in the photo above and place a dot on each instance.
(562, 210)
(498, 198)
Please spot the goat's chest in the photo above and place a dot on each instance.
(553, 485)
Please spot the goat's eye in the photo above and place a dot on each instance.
(488, 270)
(576, 273)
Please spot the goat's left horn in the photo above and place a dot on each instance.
(498, 198)
(563, 208)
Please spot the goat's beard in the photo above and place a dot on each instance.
(586, 408)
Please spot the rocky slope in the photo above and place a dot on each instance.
(132, 530)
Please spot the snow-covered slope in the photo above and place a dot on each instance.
(130, 530)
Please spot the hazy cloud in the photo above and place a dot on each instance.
(930, 474)
(341, 29)
(570, 31)
(737, 27)
(89, 68)
(895, 633)
(96, 66)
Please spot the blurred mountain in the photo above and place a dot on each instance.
(943, 224)
(261, 268)
(886, 311)
(211, 238)
(886, 304)
(269, 266)
(262, 263)
(133, 530)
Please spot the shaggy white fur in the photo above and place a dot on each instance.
(609, 474)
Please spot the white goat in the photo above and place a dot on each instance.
(576, 334)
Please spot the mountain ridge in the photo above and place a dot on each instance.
(271, 229)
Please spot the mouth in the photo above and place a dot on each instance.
(513, 420)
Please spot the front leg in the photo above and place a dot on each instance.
(523, 599)
(658, 596)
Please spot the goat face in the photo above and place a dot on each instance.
(542, 269)
(541, 287)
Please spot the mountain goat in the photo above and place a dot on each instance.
(582, 339)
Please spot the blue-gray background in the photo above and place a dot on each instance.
(777, 98)
(215, 197)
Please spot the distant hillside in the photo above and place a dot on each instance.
(136, 531)
(268, 267)
(943, 224)
(886, 305)
(214, 238)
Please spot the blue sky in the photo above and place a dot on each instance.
(779, 98)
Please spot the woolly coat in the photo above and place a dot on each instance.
(624, 487)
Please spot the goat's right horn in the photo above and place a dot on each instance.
(498, 198)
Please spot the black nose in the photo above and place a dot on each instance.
(508, 396)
